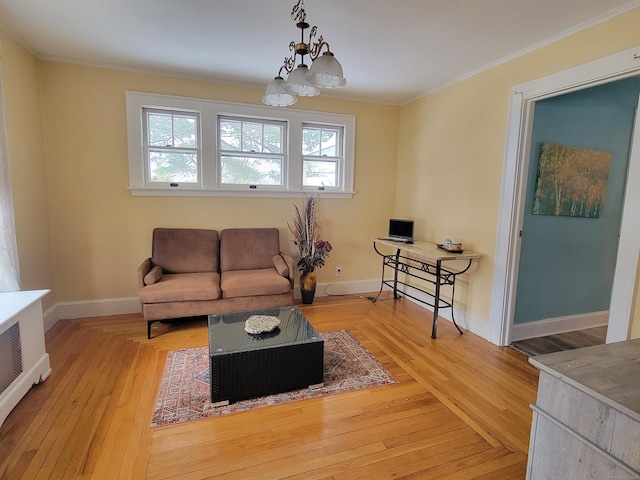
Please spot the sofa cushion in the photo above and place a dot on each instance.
(154, 275)
(184, 287)
(248, 248)
(185, 250)
(247, 283)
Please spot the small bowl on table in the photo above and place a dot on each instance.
(453, 247)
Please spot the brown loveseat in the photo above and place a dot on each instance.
(193, 272)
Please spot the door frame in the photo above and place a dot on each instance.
(627, 264)
(511, 214)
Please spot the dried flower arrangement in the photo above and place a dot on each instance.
(312, 250)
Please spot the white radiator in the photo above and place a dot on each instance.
(23, 359)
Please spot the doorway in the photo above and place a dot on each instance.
(575, 189)
(522, 108)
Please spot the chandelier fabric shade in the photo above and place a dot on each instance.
(325, 70)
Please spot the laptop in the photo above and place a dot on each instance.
(400, 231)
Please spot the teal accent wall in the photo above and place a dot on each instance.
(567, 263)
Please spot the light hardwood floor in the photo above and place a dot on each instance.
(460, 409)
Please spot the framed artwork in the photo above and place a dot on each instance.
(571, 181)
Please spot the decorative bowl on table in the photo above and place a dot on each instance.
(451, 247)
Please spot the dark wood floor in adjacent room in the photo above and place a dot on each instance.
(562, 341)
(460, 409)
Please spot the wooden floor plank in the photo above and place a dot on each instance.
(460, 409)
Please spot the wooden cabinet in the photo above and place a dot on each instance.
(586, 420)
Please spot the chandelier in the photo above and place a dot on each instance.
(325, 71)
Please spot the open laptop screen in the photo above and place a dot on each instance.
(401, 229)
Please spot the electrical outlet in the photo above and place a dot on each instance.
(338, 271)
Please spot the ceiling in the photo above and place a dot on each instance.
(391, 51)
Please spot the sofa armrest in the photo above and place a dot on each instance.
(143, 269)
(290, 264)
(287, 271)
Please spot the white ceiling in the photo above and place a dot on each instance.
(391, 51)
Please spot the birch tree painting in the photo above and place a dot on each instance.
(571, 181)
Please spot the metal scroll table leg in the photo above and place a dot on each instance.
(436, 303)
(453, 292)
(395, 276)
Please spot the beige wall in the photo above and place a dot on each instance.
(23, 116)
(101, 232)
(452, 148)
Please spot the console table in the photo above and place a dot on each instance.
(423, 260)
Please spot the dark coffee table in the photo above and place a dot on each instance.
(243, 365)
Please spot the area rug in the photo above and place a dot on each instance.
(185, 391)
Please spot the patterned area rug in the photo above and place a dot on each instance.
(185, 392)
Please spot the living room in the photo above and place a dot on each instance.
(438, 159)
(81, 233)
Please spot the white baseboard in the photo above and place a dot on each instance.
(89, 308)
(119, 306)
(50, 317)
(98, 308)
(464, 319)
(343, 288)
(553, 326)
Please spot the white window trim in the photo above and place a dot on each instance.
(209, 112)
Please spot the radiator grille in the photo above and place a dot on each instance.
(10, 356)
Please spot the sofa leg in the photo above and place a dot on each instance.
(149, 323)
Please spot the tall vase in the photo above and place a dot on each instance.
(308, 287)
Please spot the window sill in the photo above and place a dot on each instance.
(245, 192)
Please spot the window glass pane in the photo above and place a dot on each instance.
(330, 142)
(319, 173)
(230, 134)
(251, 137)
(160, 129)
(173, 167)
(311, 141)
(184, 131)
(250, 170)
(273, 137)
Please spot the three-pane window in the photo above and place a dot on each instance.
(189, 146)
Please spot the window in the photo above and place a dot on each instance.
(321, 155)
(186, 146)
(171, 146)
(251, 151)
